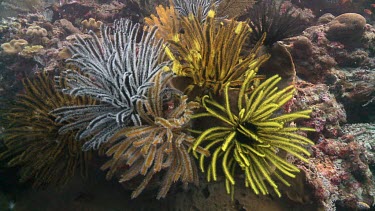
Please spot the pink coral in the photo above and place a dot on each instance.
(338, 173)
(327, 114)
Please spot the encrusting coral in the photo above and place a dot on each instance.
(158, 145)
(31, 136)
(14, 46)
(36, 31)
(20, 47)
(255, 138)
(37, 34)
(91, 24)
(30, 51)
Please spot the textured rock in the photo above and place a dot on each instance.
(346, 28)
(326, 18)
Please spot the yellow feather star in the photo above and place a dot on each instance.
(208, 53)
(167, 22)
(252, 136)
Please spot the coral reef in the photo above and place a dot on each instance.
(336, 7)
(148, 125)
(19, 47)
(326, 18)
(37, 50)
(357, 91)
(318, 59)
(148, 6)
(13, 8)
(339, 174)
(339, 171)
(311, 61)
(31, 51)
(327, 114)
(364, 134)
(107, 12)
(37, 34)
(36, 31)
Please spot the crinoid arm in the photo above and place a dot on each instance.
(197, 8)
(160, 145)
(210, 54)
(116, 70)
(31, 139)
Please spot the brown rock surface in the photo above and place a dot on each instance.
(346, 28)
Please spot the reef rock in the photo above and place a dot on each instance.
(347, 28)
(326, 18)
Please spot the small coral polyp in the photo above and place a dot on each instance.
(252, 138)
(91, 24)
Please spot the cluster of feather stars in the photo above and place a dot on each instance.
(123, 99)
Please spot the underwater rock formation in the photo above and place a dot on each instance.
(339, 174)
(328, 115)
(14, 8)
(347, 28)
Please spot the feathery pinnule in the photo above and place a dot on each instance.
(198, 8)
(210, 54)
(31, 139)
(116, 70)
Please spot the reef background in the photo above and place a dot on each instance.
(335, 67)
